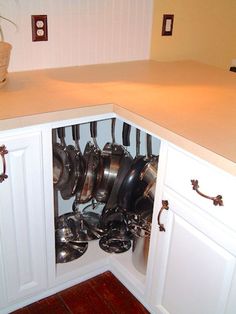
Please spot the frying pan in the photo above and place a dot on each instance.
(131, 182)
(134, 184)
(149, 173)
(61, 161)
(77, 166)
(125, 164)
(110, 163)
(91, 155)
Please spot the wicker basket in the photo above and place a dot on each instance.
(5, 50)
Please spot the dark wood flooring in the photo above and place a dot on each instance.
(103, 294)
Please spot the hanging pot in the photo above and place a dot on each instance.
(141, 178)
(61, 161)
(148, 174)
(77, 166)
(131, 182)
(110, 159)
(124, 167)
(92, 156)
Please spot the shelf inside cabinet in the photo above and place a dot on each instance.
(93, 258)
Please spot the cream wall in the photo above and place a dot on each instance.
(79, 32)
(204, 30)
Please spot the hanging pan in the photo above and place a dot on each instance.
(131, 182)
(91, 155)
(61, 161)
(77, 166)
(110, 158)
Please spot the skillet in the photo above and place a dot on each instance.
(91, 155)
(77, 166)
(61, 161)
(110, 162)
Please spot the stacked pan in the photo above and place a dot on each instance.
(109, 188)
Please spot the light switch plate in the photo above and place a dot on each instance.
(167, 24)
(39, 27)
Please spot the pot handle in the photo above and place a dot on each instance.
(76, 132)
(165, 205)
(93, 129)
(138, 142)
(61, 135)
(93, 132)
(76, 136)
(149, 146)
(3, 152)
(113, 125)
(126, 134)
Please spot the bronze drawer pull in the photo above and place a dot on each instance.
(217, 200)
(165, 205)
(3, 152)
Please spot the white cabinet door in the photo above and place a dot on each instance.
(192, 273)
(22, 226)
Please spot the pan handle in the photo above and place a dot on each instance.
(76, 132)
(93, 132)
(113, 126)
(76, 136)
(61, 135)
(126, 134)
(149, 146)
(93, 129)
(138, 142)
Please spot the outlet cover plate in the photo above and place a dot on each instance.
(167, 24)
(39, 27)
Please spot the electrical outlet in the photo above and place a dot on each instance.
(39, 27)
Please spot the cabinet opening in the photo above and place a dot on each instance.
(104, 177)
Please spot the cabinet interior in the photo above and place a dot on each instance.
(94, 254)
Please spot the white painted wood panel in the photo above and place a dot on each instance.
(22, 218)
(79, 32)
(198, 273)
(192, 273)
(182, 167)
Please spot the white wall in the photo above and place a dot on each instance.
(79, 32)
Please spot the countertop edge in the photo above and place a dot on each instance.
(178, 140)
(58, 118)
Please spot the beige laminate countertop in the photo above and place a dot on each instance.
(188, 103)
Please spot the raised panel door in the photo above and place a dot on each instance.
(192, 273)
(22, 225)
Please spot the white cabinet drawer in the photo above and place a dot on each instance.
(183, 167)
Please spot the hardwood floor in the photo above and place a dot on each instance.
(103, 294)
